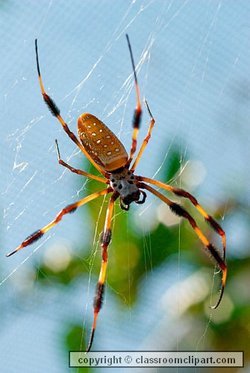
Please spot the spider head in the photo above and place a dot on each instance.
(124, 184)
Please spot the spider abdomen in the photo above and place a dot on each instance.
(101, 143)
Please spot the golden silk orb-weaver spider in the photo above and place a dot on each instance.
(108, 155)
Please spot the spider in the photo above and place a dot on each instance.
(108, 155)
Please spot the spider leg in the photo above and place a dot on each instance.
(56, 112)
(183, 193)
(145, 141)
(210, 249)
(138, 110)
(105, 240)
(66, 210)
(76, 170)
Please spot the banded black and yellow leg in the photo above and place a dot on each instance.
(210, 249)
(105, 240)
(77, 170)
(183, 193)
(56, 112)
(67, 210)
(138, 109)
(145, 141)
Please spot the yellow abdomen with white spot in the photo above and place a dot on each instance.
(101, 143)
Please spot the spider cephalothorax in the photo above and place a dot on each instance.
(124, 183)
(108, 155)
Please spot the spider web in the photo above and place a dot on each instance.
(96, 76)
